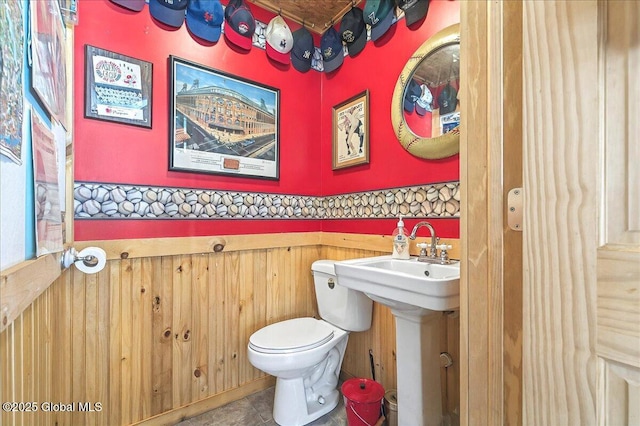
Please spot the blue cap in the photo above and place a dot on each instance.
(204, 19)
(170, 12)
(379, 15)
(331, 49)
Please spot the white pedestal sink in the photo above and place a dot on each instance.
(417, 293)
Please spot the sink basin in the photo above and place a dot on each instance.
(415, 292)
(403, 285)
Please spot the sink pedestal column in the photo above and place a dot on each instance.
(418, 364)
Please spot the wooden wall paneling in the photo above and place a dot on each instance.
(61, 345)
(39, 352)
(144, 290)
(217, 321)
(292, 277)
(273, 288)
(244, 311)
(200, 326)
(311, 256)
(259, 299)
(27, 349)
(115, 403)
(78, 342)
(452, 346)
(182, 329)
(88, 377)
(231, 340)
(127, 380)
(102, 386)
(7, 378)
(133, 335)
(140, 329)
(163, 336)
(18, 366)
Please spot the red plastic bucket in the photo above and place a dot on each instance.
(362, 400)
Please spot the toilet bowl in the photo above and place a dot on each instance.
(305, 354)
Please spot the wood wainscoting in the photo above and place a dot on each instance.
(155, 338)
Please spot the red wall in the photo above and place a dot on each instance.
(115, 153)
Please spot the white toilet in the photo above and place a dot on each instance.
(305, 354)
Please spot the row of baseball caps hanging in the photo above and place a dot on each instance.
(205, 18)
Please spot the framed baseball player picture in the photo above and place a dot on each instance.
(351, 132)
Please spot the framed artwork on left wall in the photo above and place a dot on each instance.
(117, 87)
(222, 124)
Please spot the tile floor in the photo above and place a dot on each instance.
(256, 410)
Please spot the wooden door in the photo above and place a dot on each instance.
(580, 334)
(581, 347)
(618, 253)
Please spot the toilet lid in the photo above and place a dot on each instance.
(292, 335)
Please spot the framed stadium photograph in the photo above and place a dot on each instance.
(222, 124)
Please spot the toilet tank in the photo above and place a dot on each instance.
(347, 309)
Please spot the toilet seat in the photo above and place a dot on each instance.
(294, 335)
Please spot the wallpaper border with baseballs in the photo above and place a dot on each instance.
(117, 201)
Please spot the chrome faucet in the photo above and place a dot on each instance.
(434, 240)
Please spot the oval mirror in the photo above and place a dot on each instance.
(425, 110)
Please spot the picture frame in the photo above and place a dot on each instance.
(48, 55)
(222, 124)
(118, 88)
(350, 122)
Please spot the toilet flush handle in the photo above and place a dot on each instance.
(331, 283)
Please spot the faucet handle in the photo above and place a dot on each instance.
(423, 248)
(444, 256)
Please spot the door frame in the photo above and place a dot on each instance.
(491, 253)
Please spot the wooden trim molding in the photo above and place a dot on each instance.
(199, 407)
(22, 284)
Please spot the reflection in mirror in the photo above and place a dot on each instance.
(425, 109)
(430, 99)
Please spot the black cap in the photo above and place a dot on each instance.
(448, 99)
(414, 10)
(302, 51)
(240, 24)
(411, 95)
(353, 31)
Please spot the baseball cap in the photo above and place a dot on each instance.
(204, 19)
(331, 49)
(170, 12)
(279, 40)
(240, 24)
(379, 15)
(423, 102)
(412, 94)
(414, 10)
(135, 5)
(302, 51)
(448, 99)
(353, 31)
